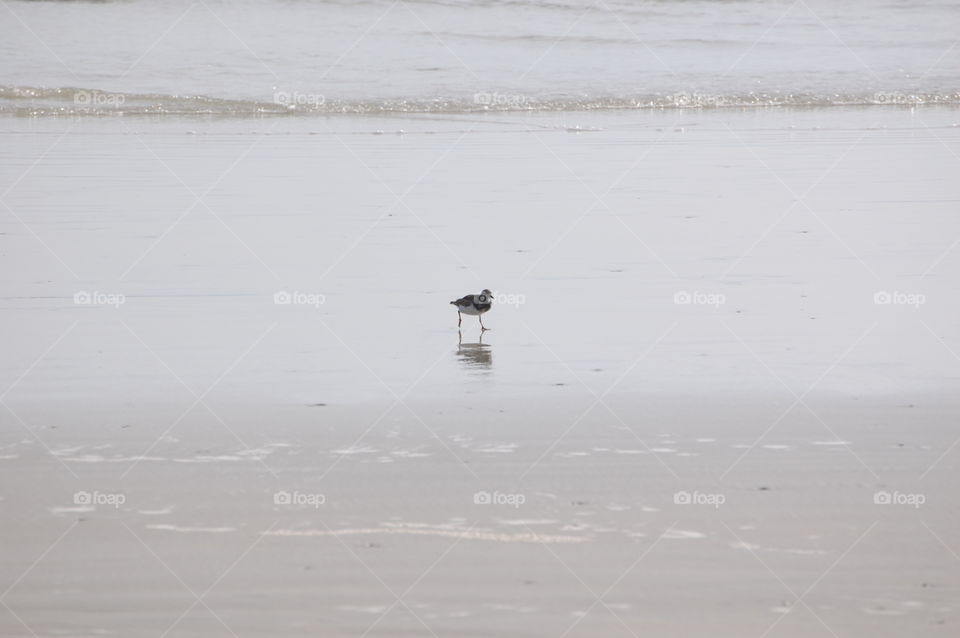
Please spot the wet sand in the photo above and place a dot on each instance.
(321, 525)
(716, 463)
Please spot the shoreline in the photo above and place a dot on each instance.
(773, 463)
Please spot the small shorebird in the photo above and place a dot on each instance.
(474, 305)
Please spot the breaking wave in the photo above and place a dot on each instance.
(74, 102)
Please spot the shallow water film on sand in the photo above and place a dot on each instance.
(479, 319)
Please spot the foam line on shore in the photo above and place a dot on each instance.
(468, 534)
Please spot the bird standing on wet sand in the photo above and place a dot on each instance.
(474, 305)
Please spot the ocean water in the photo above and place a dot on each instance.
(668, 197)
(286, 57)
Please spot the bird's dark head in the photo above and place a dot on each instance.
(486, 291)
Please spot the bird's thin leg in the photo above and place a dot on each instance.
(482, 327)
(459, 319)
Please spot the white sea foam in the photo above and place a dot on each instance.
(40, 102)
(192, 530)
(682, 534)
(502, 448)
(427, 530)
(210, 458)
(369, 609)
(415, 453)
(753, 547)
(99, 458)
(355, 450)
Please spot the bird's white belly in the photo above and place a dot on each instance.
(470, 310)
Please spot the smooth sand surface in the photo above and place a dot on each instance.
(321, 469)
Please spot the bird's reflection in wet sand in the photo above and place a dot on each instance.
(474, 356)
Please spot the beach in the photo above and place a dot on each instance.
(717, 396)
(593, 538)
(595, 403)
